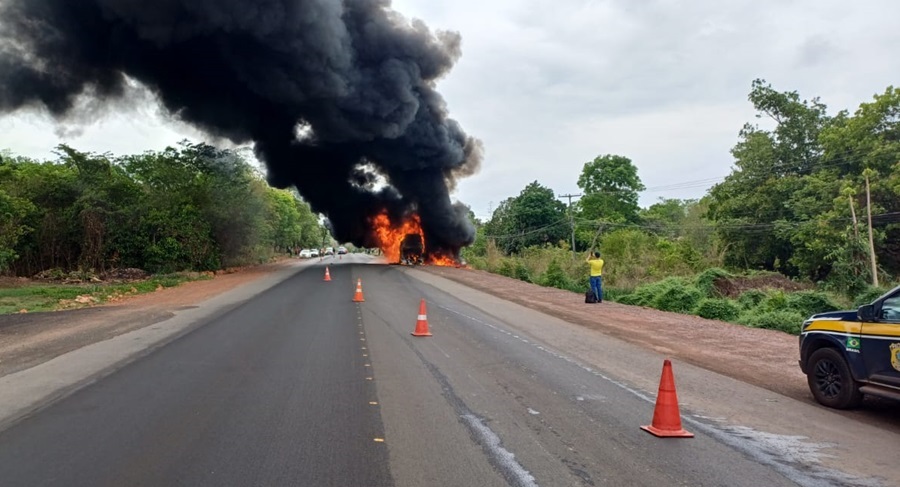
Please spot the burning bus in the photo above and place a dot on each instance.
(412, 250)
(403, 242)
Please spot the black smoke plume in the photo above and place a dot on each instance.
(332, 92)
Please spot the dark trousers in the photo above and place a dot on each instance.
(597, 287)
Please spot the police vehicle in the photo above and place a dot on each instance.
(846, 354)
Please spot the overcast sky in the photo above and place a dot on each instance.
(549, 85)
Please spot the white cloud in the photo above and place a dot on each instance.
(123, 128)
(548, 85)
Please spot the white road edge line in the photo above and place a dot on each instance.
(492, 442)
(788, 455)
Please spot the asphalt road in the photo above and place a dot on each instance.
(300, 386)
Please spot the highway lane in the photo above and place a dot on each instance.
(524, 407)
(271, 393)
(294, 386)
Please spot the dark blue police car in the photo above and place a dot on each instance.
(846, 354)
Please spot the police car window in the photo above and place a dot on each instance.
(890, 309)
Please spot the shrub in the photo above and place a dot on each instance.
(868, 295)
(775, 301)
(642, 296)
(678, 298)
(786, 321)
(506, 268)
(521, 273)
(583, 283)
(706, 280)
(718, 309)
(751, 298)
(630, 299)
(477, 262)
(811, 302)
(556, 277)
(612, 294)
(646, 295)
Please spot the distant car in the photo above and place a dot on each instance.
(342, 250)
(314, 253)
(329, 250)
(305, 254)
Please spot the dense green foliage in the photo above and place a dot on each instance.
(610, 184)
(681, 299)
(751, 298)
(868, 295)
(789, 203)
(787, 321)
(535, 217)
(189, 208)
(811, 302)
(718, 309)
(555, 276)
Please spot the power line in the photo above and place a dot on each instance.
(884, 218)
(830, 162)
(528, 232)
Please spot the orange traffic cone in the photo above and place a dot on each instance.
(358, 297)
(422, 322)
(327, 275)
(666, 417)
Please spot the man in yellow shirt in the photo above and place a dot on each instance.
(596, 264)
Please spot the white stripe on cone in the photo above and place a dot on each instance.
(422, 318)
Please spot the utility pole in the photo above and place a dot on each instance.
(571, 218)
(868, 172)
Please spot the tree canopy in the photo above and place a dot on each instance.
(611, 185)
(535, 217)
(789, 203)
(193, 207)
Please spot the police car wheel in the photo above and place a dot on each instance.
(830, 380)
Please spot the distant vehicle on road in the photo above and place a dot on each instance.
(342, 250)
(314, 253)
(329, 250)
(305, 254)
(846, 354)
(412, 250)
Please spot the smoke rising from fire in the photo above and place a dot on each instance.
(333, 93)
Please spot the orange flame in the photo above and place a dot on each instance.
(443, 261)
(389, 235)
